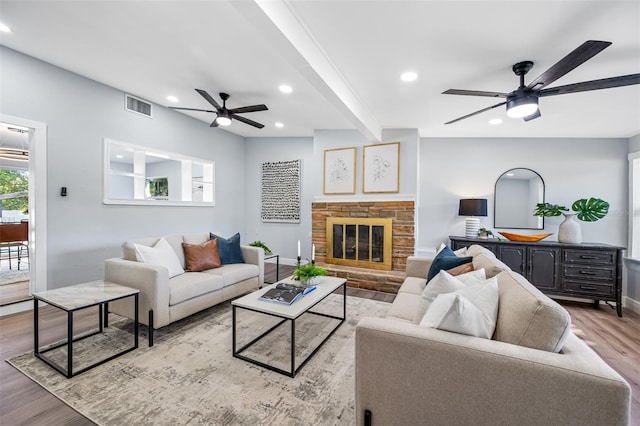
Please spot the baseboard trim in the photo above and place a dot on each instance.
(14, 308)
(631, 304)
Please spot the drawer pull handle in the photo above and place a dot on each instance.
(588, 273)
(584, 256)
(587, 287)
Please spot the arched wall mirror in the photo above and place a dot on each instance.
(516, 195)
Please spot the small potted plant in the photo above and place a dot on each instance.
(261, 245)
(309, 273)
(485, 233)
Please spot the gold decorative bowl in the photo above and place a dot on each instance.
(524, 238)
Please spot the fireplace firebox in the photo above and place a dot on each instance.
(360, 242)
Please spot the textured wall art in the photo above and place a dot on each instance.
(340, 171)
(381, 168)
(281, 191)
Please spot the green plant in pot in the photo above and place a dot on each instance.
(587, 210)
(261, 245)
(307, 273)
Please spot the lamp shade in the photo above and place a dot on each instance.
(473, 207)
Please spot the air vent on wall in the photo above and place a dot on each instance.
(137, 105)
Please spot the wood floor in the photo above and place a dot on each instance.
(22, 402)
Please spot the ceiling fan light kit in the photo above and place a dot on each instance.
(523, 102)
(522, 106)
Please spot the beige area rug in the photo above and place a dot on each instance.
(190, 376)
(11, 276)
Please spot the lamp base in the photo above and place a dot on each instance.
(471, 227)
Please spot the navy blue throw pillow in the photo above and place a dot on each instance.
(446, 259)
(229, 249)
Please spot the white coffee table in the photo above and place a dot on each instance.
(74, 298)
(291, 313)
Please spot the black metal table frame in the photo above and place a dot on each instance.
(103, 320)
(277, 257)
(292, 373)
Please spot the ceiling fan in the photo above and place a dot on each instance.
(224, 115)
(523, 102)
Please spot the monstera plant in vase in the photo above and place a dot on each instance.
(587, 210)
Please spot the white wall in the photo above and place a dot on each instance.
(571, 169)
(79, 113)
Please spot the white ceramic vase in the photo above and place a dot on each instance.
(570, 230)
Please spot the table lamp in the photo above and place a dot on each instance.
(472, 207)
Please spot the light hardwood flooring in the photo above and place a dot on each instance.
(22, 402)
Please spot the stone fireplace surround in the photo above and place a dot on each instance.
(403, 240)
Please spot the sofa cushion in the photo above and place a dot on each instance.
(229, 249)
(413, 285)
(200, 257)
(491, 265)
(526, 317)
(161, 254)
(444, 283)
(472, 310)
(235, 272)
(446, 259)
(192, 284)
(404, 307)
(129, 250)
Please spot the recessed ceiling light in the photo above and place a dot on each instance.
(4, 28)
(284, 88)
(408, 76)
(172, 98)
(495, 121)
(279, 125)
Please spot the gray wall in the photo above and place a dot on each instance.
(571, 169)
(79, 113)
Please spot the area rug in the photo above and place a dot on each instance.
(11, 276)
(190, 376)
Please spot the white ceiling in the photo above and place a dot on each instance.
(344, 58)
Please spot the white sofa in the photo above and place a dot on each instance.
(170, 299)
(533, 371)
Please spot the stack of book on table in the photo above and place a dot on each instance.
(287, 293)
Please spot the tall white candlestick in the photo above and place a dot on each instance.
(313, 252)
(298, 248)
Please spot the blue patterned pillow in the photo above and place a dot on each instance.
(446, 259)
(229, 249)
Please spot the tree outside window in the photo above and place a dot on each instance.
(15, 185)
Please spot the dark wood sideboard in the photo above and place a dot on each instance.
(587, 270)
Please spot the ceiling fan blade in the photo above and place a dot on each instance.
(192, 109)
(605, 83)
(580, 55)
(209, 99)
(247, 121)
(475, 113)
(251, 108)
(475, 93)
(214, 123)
(532, 116)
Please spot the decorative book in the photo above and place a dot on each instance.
(286, 293)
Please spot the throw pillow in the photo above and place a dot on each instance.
(160, 254)
(200, 257)
(446, 259)
(461, 269)
(229, 249)
(472, 310)
(460, 252)
(444, 283)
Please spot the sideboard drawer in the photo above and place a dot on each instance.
(591, 257)
(587, 273)
(585, 288)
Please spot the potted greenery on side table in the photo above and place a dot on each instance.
(587, 210)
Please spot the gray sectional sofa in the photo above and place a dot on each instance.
(534, 370)
(164, 300)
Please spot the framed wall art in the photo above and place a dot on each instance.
(281, 191)
(339, 171)
(381, 168)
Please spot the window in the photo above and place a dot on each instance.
(634, 205)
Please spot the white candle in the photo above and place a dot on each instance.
(298, 248)
(313, 252)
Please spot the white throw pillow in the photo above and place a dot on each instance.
(472, 310)
(160, 255)
(444, 282)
